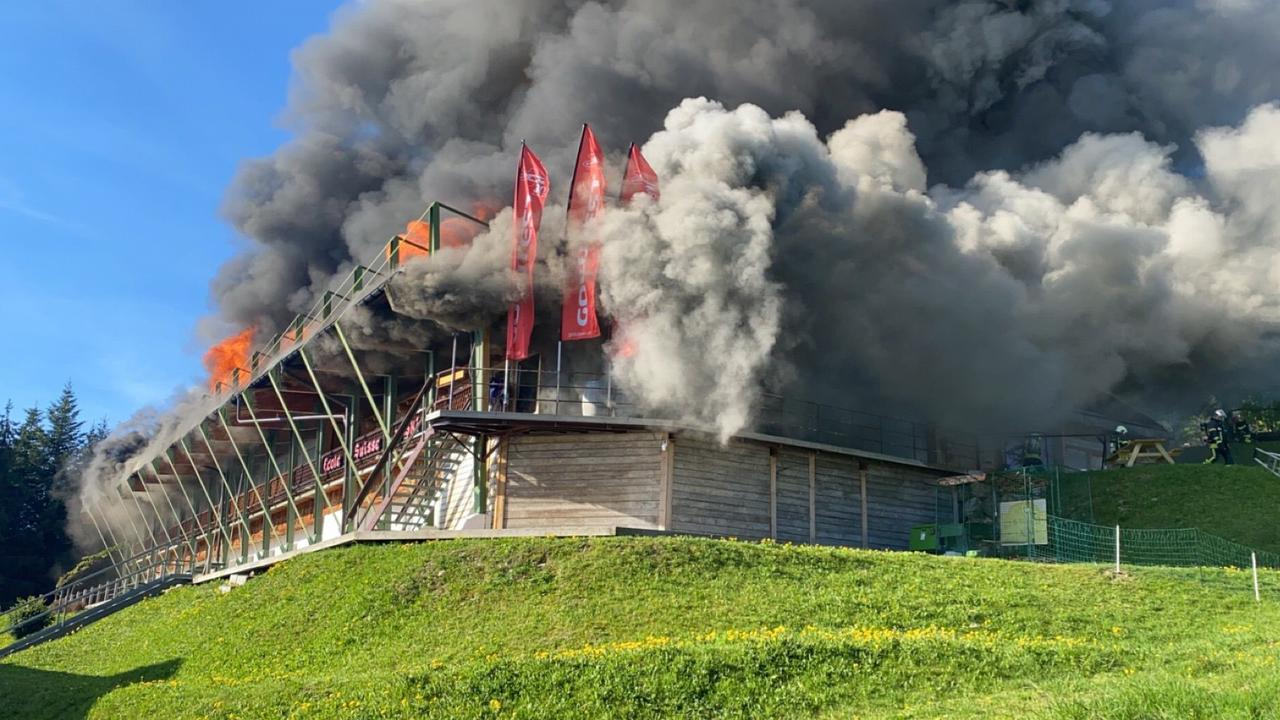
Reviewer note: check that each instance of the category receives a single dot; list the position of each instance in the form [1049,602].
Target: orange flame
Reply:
[485,209]
[459,232]
[225,356]
[456,232]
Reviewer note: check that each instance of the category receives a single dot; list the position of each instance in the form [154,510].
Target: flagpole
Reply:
[568,206]
[568,209]
[622,186]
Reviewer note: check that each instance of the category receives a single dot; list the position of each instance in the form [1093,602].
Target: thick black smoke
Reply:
[977,210]
[404,102]
[806,250]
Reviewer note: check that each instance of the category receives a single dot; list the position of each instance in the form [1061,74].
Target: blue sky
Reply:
[121,125]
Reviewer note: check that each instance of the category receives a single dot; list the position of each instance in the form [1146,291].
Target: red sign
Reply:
[532,188]
[638,177]
[578,319]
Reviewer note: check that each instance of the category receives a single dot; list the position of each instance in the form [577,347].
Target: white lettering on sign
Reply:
[581,316]
[365,448]
[331,462]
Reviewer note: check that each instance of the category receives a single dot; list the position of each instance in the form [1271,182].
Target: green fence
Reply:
[1072,541]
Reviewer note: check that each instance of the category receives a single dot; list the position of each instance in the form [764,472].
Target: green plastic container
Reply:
[924,538]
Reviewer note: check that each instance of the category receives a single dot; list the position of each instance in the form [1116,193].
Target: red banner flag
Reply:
[578,319]
[532,187]
[638,177]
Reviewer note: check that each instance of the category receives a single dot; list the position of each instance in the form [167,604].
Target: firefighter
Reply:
[1215,436]
[1121,439]
[1240,430]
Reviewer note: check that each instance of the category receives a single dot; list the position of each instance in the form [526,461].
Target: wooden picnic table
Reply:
[1142,449]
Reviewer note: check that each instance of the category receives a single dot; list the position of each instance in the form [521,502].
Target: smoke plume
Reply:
[979,210]
[1070,245]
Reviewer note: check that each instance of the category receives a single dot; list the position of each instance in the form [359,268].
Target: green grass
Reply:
[664,627]
[1231,501]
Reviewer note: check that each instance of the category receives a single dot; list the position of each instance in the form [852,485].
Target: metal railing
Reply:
[65,602]
[360,282]
[579,394]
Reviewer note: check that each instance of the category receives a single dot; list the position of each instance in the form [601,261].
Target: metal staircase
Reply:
[425,467]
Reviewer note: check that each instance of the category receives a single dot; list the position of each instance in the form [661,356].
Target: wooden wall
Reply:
[750,489]
[720,489]
[897,499]
[583,480]
[838,503]
[746,489]
[793,495]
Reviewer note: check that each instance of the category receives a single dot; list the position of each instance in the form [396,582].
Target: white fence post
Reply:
[1253,557]
[1117,549]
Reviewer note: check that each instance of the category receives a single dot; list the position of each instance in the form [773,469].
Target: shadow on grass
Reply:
[30,693]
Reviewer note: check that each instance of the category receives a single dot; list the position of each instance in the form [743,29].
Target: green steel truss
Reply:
[229,468]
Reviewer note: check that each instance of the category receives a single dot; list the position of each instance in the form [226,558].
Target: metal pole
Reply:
[506,376]
[154,511]
[195,514]
[143,516]
[453,364]
[1253,558]
[106,546]
[176,518]
[340,433]
[266,511]
[214,511]
[373,405]
[1117,549]
[559,346]
[226,485]
[306,455]
[142,541]
[122,548]
[284,482]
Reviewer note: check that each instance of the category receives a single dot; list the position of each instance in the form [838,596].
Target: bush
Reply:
[88,564]
[30,615]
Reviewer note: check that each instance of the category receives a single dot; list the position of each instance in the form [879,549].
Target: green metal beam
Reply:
[266,511]
[306,455]
[226,486]
[142,541]
[143,516]
[176,517]
[214,510]
[108,546]
[285,482]
[373,405]
[338,432]
[195,514]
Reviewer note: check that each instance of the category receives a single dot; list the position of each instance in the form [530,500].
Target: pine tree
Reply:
[22,557]
[8,489]
[33,517]
[63,439]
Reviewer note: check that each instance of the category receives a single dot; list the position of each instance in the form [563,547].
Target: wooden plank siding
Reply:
[897,499]
[584,480]
[700,486]
[720,489]
[793,495]
[838,507]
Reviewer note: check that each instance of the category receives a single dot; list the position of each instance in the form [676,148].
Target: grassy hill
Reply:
[1237,502]
[663,627]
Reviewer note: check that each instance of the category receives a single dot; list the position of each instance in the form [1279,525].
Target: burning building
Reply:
[336,428]
[983,215]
